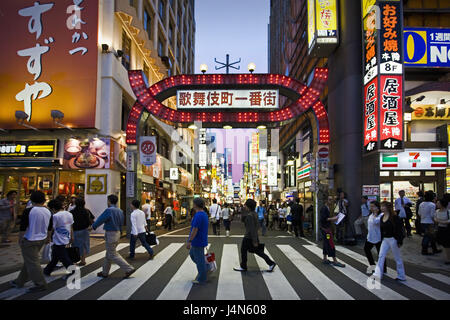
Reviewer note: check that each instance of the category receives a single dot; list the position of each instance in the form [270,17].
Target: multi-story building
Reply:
[425,88]
[92,47]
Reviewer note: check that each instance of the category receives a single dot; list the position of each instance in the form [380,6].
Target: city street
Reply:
[299,274]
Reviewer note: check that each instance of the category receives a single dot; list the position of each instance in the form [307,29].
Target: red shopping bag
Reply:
[210,257]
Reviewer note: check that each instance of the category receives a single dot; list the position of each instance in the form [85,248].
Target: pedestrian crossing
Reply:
[299,268]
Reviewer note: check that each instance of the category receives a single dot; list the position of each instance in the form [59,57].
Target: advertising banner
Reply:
[272,171]
[94,153]
[28,149]
[412,159]
[147,150]
[50,53]
[427,47]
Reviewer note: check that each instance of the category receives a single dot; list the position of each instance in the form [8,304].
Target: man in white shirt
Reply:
[401,205]
[138,228]
[34,230]
[148,211]
[62,236]
[215,212]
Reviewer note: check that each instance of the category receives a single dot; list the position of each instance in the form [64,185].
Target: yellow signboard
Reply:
[214,173]
[431,112]
[366,6]
[311,22]
[326,17]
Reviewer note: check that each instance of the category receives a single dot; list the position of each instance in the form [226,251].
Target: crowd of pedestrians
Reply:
[382,225]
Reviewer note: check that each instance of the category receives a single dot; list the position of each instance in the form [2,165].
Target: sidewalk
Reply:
[411,253]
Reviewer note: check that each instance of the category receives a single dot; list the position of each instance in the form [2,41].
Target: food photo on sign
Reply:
[91,153]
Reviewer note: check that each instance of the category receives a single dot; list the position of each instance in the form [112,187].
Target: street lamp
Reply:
[203,68]
[251,67]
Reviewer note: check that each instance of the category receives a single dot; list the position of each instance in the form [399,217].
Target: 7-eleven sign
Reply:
[414,160]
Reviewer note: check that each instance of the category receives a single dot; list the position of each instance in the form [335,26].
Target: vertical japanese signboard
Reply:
[272,170]
[50,56]
[322,27]
[391,75]
[383,75]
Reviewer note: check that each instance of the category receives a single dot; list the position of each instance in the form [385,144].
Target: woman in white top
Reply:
[374,233]
[427,210]
[442,218]
[138,228]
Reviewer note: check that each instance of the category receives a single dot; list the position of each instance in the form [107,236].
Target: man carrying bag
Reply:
[215,213]
[251,243]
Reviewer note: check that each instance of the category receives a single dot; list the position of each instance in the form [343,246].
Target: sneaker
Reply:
[326,262]
[338,264]
[272,267]
[36,289]
[239,269]
[130,257]
[101,275]
[81,264]
[151,256]
[129,273]
[398,279]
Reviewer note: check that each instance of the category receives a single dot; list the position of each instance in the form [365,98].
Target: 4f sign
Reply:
[147,150]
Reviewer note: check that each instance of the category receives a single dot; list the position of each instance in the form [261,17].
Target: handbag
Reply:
[210,259]
[74,254]
[151,239]
[47,253]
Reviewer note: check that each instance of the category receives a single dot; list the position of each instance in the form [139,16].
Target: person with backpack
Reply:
[215,213]
[82,221]
[392,235]
[226,215]
[62,236]
[261,211]
[442,218]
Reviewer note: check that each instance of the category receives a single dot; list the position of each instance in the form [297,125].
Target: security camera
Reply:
[56,114]
[20,115]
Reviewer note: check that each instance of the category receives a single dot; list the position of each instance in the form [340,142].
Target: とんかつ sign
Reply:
[235,99]
[50,62]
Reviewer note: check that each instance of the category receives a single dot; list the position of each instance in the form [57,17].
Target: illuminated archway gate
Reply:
[303,97]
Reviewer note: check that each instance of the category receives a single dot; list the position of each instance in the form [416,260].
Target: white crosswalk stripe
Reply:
[125,288]
[230,286]
[382,292]
[438,277]
[180,285]
[410,282]
[278,285]
[16,292]
[88,280]
[324,284]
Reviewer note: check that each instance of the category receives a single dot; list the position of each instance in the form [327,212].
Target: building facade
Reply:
[84,152]
[426,90]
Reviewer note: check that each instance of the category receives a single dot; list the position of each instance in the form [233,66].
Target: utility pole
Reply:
[227,64]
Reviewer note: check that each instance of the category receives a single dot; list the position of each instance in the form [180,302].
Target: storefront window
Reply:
[385,191]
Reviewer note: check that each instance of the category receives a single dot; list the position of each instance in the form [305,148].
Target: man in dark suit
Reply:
[297,217]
